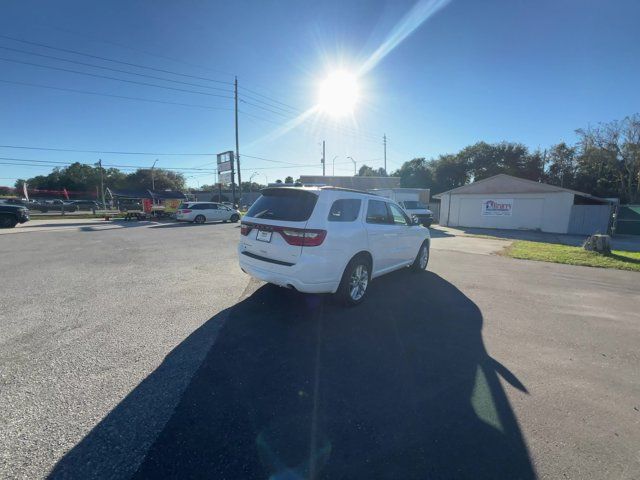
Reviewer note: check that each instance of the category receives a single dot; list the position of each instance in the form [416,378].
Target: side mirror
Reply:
[415,220]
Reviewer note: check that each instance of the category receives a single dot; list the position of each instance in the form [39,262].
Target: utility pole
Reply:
[384,141]
[323,162]
[104,205]
[235,99]
[153,180]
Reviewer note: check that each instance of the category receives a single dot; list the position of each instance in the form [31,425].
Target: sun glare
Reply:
[338,94]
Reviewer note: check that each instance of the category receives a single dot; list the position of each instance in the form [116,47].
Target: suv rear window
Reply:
[284,204]
[345,210]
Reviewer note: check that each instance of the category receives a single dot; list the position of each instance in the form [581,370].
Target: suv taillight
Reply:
[303,237]
[186,210]
[245,229]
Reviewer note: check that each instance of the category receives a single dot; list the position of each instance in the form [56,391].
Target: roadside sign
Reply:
[225,162]
[498,207]
[225,177]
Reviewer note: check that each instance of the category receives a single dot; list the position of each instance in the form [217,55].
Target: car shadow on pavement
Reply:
[297,387]
[435,232]
[186,224]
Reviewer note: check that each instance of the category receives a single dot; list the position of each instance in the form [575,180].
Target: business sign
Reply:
[500,207]
[225,162]
[224,177]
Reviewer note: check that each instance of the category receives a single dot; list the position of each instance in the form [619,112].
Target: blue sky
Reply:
[526,71]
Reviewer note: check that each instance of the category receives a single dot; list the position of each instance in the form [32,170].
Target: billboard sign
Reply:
[498,207]
[224,177]
[225,162]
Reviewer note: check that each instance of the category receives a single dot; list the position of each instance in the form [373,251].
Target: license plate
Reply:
[264,236]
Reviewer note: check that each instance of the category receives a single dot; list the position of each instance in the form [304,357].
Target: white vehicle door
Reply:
[381,234]
[224,212]
[213,212]
[405,247]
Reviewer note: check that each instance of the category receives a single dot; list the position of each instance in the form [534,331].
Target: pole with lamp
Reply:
[333,166]
[354,165]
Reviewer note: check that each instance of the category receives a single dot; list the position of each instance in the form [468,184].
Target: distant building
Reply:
[355,182]
[507,202]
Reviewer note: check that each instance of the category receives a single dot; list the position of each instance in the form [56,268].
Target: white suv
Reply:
[328,240]
[201,212]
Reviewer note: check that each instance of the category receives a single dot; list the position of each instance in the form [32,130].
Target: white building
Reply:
[508,202]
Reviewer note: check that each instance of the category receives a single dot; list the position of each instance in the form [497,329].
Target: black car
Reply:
[11,215]
[29,204]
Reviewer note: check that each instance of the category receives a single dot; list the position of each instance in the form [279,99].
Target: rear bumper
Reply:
[284,276]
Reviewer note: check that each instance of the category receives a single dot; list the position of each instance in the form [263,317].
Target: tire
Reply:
[235,217]
[355,281]
[200,219]
[422,259]
[8,221]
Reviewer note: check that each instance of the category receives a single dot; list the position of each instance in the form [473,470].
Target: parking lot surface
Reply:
[143,351]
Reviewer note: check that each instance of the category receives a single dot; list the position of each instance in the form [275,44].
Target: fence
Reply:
[589,219]
[628,220]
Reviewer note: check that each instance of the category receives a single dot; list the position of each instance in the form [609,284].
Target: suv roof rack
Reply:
[342,189]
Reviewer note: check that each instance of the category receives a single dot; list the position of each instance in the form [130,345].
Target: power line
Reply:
[270,98]
[124,97]
[344,130]
[106,151]
[54,162]
[112,60]
[113,78]
[128,47]
[128,72]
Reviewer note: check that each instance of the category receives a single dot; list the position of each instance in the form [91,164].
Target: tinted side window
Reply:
[199,206]
[345,210]
[377,212]
[399,218]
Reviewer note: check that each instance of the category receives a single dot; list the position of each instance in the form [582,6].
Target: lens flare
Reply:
[420,13]
[338,94]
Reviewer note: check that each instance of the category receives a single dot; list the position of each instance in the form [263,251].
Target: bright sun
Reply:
[338,94]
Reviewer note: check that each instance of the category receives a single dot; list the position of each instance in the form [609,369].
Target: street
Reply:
[141,350]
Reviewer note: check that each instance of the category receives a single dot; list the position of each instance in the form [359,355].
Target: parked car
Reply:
[11,215]
[89,205]
[328,240]
[201,212]
[60,205]
[29,204]
[418,210]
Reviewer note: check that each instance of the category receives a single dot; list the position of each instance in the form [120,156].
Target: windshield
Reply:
[284,204]
[414,205]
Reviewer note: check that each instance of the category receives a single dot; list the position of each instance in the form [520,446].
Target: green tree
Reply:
[366,171]
[289,179]
[163,179]
[614,150]
[449,171]
[415,174]
[562,165]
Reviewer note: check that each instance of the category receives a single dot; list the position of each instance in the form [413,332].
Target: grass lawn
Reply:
[552,252]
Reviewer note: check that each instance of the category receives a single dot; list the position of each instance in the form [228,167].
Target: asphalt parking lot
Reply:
[141,350]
